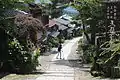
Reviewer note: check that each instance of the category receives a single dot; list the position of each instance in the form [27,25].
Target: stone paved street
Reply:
[61,69]
[68,68]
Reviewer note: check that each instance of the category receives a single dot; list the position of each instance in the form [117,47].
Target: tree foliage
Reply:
[112,48]
[54,9]
[18,52]
[10,4]
[91,13]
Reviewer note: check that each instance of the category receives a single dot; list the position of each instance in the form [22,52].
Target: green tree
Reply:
[91,13]
[16,53]
[54,9]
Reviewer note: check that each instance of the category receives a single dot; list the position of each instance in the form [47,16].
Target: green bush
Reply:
[90,55]
[109,58]
[20,59]
[62,40]
[87,50]
[106,62]
[53,42]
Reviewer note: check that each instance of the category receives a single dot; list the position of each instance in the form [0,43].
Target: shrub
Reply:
[87,50]
[53,42]
[20,59]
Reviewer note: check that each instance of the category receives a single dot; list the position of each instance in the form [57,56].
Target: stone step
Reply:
[54,78]
[59,75]
[66,72]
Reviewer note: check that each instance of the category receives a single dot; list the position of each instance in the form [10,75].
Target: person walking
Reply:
[59,50]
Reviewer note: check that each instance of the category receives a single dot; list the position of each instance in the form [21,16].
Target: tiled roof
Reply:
[62,21]
[52,23]
[61,27]
[54,34]
[11,13]
[70,30]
